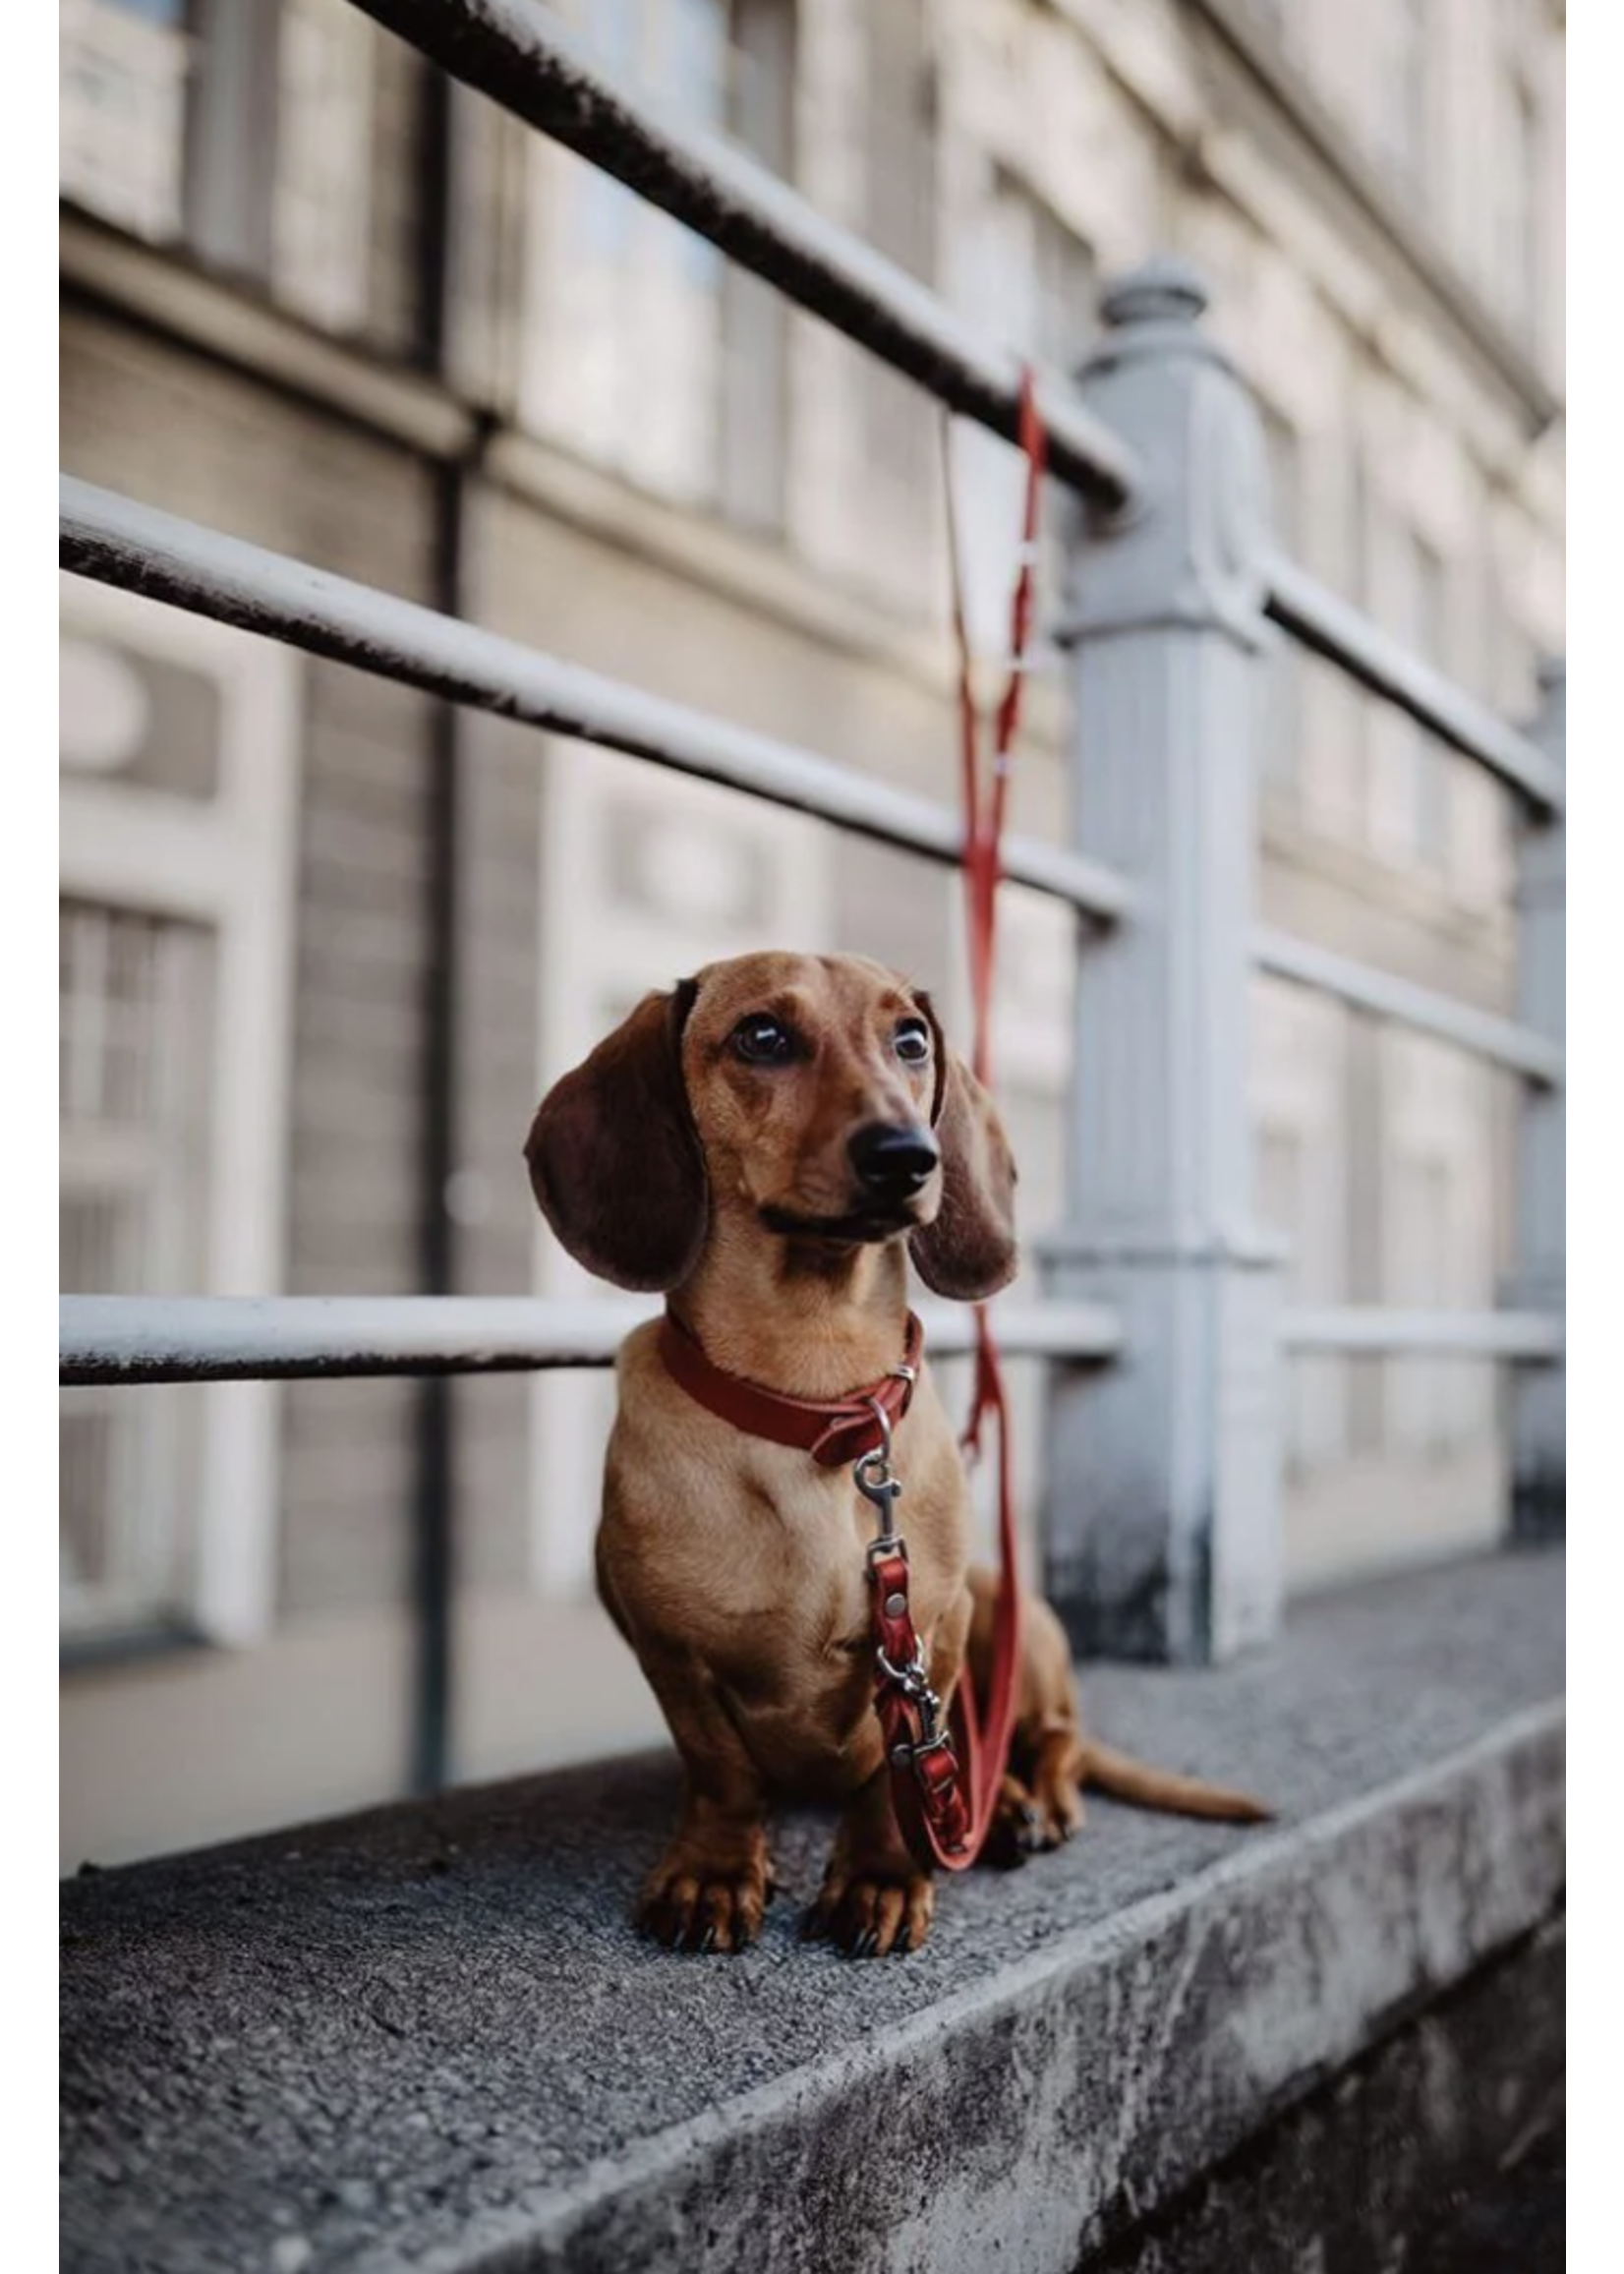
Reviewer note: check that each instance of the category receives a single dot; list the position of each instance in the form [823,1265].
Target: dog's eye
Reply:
[913,1044]
[762,1041]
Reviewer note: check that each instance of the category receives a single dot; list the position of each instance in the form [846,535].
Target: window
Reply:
[1409,776]
[240,128]
[1434,764]
[1298,1079]
[125,65]
[321,221]
[1326,719]
[1516,264]
[1498,671]
[639,348]
[899,428]
[1438,1235]
[136,1008]
[1405,112]
[1358,540]
[755,337]
[177,805]
[1422,1208]
[1283,699]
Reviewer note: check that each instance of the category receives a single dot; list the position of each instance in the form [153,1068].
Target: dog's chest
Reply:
[796,1615]
[795,1585]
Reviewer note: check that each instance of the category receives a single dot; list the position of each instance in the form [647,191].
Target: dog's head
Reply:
[808,1098]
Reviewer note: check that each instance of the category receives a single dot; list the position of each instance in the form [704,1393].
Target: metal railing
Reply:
[1162,1521]
[118,541]
[136,1338]
[1334,629]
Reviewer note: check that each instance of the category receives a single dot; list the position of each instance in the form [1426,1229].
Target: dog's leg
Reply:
[1041,1803]
[1057,1769]
[711,1888]
[873,1898]
[1038,1802]
[1037,1809]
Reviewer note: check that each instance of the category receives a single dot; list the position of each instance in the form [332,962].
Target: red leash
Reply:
[945,1774]
[945,1783]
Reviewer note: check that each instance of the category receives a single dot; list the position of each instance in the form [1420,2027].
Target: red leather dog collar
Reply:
[832,1430]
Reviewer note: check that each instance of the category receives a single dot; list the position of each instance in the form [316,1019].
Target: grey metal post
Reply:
[1538,1281]
[1162,1536]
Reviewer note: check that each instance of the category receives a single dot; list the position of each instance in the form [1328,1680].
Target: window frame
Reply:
[231,866]
[237,209]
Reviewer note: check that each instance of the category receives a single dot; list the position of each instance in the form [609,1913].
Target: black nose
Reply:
[893,1162]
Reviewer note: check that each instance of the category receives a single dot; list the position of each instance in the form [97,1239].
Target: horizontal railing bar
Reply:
[521,56]
[137,1338]
[131,1338]
[119,542]
[1360,1328]
[1521,1048]
[1332,627]
[127,1339]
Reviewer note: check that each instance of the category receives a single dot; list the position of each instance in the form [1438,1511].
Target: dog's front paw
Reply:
[870,1913]
[691,1906]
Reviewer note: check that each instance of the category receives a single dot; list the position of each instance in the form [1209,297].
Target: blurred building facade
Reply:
[313,299]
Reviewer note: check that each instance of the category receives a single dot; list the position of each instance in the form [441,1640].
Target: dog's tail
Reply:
[1126,1778]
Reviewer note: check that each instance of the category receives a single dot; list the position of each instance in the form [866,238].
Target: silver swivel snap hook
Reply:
[877,1482]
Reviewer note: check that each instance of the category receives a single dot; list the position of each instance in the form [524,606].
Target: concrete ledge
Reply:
[426,2036]
[1439,2152]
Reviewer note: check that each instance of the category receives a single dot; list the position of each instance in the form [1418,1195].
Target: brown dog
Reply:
[768,1144]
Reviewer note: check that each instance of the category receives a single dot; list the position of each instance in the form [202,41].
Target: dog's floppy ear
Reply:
[969,1251]
[614,1160]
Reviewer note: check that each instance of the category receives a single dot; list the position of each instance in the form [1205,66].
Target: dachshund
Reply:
[769,1146]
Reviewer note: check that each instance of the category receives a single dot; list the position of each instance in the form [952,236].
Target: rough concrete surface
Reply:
[428,2037]
[1514,2223]
[1438,2153]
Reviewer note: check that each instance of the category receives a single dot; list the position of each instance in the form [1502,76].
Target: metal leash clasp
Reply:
[880,1486]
